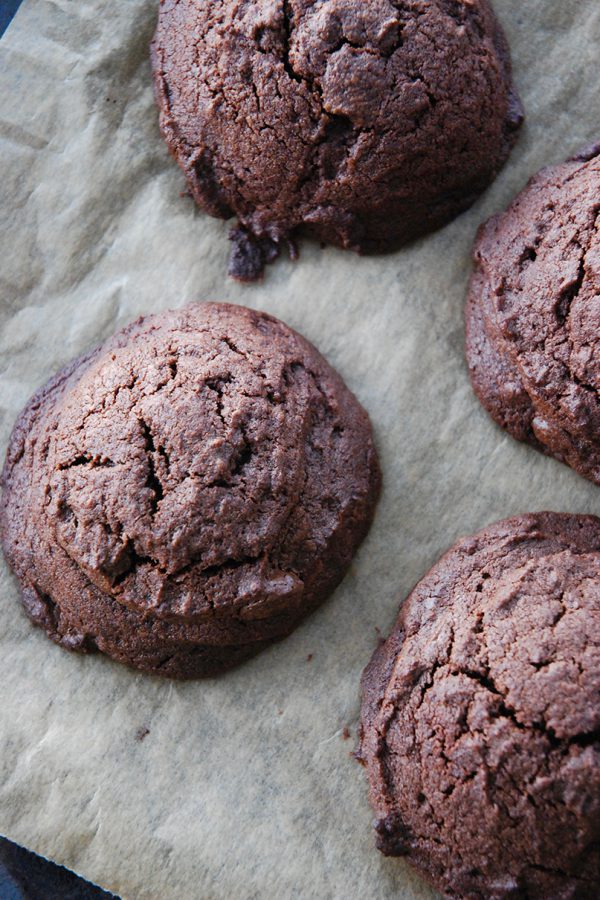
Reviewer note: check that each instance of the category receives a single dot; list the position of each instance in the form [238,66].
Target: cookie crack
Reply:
[506,710]
[567,296]
[549,870]
[228,565]
[165,661]
[571,294]
[95,460]
[329,122]
[288,27]
[245,454]
[50,608]
[152,479]
[216,385]
[137,560]
[377,52]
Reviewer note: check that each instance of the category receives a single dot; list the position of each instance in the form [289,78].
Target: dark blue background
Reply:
[7,10]
[25,876]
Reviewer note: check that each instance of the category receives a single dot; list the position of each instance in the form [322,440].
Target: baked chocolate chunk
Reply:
[480,725]
[533,314]
[363,123]
[188,492]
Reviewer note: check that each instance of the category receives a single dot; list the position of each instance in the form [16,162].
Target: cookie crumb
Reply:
[250,254]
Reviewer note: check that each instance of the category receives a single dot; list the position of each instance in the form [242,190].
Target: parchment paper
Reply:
[243,786]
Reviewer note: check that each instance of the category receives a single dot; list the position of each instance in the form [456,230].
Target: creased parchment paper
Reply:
[243,786]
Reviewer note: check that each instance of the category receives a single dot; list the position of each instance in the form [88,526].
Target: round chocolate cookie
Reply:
[364,123]
[533,314]
[480,725]
[188,492]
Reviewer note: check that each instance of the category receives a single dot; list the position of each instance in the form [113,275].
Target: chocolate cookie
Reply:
[188,492]
[364,124]
[480,723]
[533,314]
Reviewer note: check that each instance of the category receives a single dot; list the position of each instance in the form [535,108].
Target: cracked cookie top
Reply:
[481,715]
[203,462]
[533,314]
[362,122]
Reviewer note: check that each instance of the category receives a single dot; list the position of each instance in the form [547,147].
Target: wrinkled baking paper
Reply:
[243,786]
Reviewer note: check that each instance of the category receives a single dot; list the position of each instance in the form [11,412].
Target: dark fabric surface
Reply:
[26,876]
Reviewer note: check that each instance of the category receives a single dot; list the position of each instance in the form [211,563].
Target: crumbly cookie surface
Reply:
[203,480]
[533,314]
[364,123]
[481,715]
